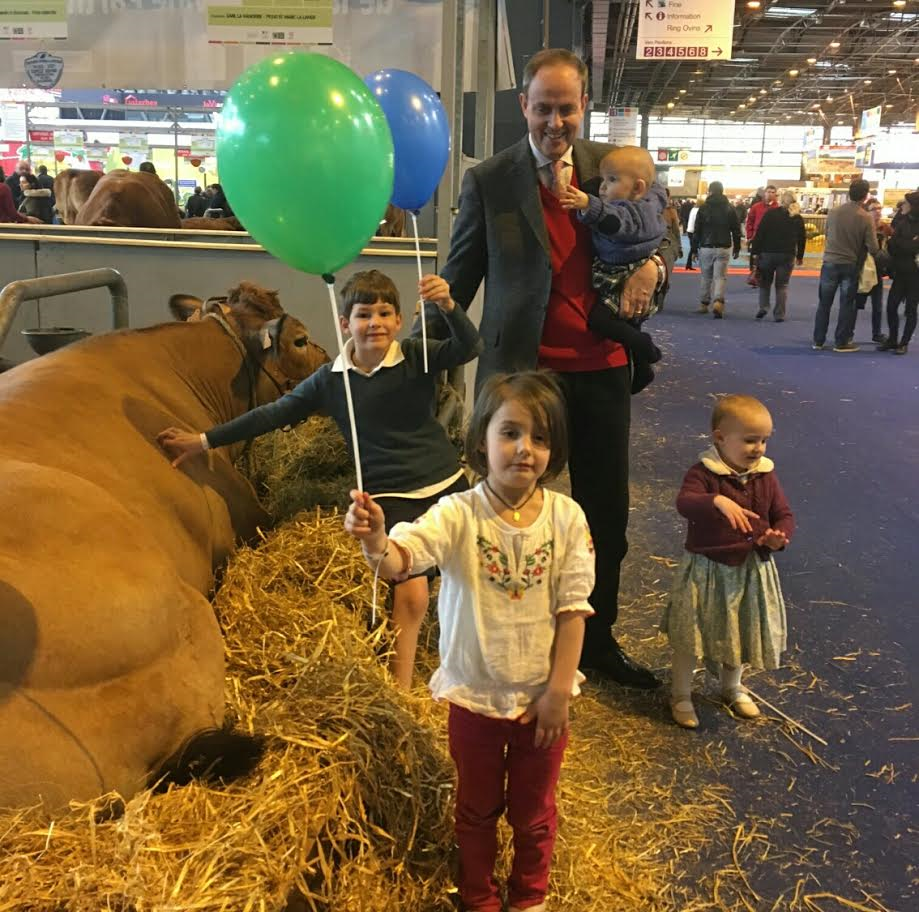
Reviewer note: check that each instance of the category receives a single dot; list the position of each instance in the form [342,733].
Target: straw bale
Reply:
[305,467]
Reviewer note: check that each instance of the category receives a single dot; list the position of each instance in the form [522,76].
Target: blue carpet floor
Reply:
[846,447]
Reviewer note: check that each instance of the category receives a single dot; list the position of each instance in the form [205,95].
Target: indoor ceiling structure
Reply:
[793,61]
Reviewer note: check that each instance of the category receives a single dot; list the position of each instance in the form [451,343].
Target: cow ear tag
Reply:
[266,338]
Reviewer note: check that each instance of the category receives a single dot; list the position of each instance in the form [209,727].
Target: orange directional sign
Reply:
[698,29]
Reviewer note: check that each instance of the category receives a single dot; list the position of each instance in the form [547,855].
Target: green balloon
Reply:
[305,158]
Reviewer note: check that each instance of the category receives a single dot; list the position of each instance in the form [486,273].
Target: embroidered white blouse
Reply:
[501,590]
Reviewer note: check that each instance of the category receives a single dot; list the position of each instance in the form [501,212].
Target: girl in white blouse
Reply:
[518,566]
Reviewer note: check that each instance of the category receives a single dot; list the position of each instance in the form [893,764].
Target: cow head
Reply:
[278,343]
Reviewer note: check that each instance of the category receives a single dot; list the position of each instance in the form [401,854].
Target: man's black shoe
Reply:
[614,664]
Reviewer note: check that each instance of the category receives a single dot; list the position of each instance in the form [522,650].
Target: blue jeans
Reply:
[843,276]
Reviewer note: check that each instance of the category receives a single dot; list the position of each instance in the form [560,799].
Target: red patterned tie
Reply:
[558,180]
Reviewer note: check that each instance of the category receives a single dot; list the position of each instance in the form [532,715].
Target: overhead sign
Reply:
[258,22]
[26,20]
[870,122]
[13,122]
[44,70]
[685,29]
[623,126]
[673,155]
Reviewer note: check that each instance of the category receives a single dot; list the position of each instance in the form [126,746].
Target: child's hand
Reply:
[736,515]
[572,198]
[773,539]
[365,521]
[550,711]
[434,288]
[179,444]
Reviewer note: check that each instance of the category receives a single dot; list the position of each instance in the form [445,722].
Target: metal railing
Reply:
[12,296]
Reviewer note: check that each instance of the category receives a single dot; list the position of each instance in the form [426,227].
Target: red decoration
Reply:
[194,162]
[126,159]
[60,155]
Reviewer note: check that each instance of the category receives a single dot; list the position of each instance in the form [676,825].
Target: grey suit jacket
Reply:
[500,236]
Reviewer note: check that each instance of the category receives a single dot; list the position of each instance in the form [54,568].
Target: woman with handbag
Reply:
[777,245]
[875,291]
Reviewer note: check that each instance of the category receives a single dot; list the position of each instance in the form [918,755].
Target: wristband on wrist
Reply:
[376,558]
[661,272]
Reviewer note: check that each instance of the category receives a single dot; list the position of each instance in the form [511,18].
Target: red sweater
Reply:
[567,344]
[755,216]
[710,534]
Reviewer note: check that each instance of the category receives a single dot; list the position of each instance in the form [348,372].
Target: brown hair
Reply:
[736,406]
[539,393]
[368,287]
[553,57]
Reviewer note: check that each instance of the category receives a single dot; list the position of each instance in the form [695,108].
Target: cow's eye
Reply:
[302,342]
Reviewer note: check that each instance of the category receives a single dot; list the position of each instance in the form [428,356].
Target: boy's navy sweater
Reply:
[403,447]
[626,230]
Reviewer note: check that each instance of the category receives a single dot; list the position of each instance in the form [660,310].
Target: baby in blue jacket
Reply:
[627,223]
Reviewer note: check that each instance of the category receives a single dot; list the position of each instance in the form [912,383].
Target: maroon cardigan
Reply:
[710,534]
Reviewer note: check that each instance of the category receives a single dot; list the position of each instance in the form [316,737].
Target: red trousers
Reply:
[499,767]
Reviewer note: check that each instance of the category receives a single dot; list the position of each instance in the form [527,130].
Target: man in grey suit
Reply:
[536,260]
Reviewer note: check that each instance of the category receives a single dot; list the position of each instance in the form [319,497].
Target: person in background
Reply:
[726,600]
[672,216]
[147,166]
[691,229]
[903,248]
[883,232]
[219,202]
[850,232]
[12,181]
[755,215]
[517,567]
[196,204]
[45,180]
[715,239]
[740,207]
[8,212]
[778,245]
[36,201]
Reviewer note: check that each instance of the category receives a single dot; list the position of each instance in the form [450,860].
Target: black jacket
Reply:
[196,205]
[13,183]
[716,225]
[903,246]
[38,203]
[780,232]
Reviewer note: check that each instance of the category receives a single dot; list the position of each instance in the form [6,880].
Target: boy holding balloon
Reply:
[407,458]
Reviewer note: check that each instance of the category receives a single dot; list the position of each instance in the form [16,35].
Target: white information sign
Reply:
[13,126]
[685,29]
[623,126]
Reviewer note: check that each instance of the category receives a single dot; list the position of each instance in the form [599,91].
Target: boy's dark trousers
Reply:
[628,333]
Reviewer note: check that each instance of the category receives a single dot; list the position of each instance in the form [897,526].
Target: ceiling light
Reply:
[834,44]
[899,4]
[762,91]
[788,12]
[891,72]
[669,104]
[811,59]
[815,105]
[741,107]
[682,91]
[691,81]
[697,72]
[867,82]
[828,98]
[792,73]
[755,4]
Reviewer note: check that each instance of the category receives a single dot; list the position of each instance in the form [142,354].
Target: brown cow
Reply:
[130,199]
[72,188]
[110,654]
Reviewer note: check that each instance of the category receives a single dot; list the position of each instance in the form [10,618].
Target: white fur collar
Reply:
[712,461]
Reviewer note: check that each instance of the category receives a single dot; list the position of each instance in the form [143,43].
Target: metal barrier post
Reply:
[48,286]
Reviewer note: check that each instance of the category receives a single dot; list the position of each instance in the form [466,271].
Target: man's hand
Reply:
[773,539]
[550,711]
[572,198]
[638,291]
[736,515]
[32,220]
[434,288]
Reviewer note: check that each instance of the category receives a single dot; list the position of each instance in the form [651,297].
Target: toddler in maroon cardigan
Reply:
[726,602]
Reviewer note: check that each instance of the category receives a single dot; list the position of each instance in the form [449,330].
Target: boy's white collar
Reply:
[392,357]
[712,461]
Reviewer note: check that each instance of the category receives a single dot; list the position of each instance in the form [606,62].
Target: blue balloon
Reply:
[420,133]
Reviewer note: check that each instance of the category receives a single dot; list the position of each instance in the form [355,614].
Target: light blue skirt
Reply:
[734,615]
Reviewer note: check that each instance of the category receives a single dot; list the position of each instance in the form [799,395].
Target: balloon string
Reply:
[424,327]
[345,374]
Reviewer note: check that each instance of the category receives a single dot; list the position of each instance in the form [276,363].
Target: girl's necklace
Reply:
[516,510]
